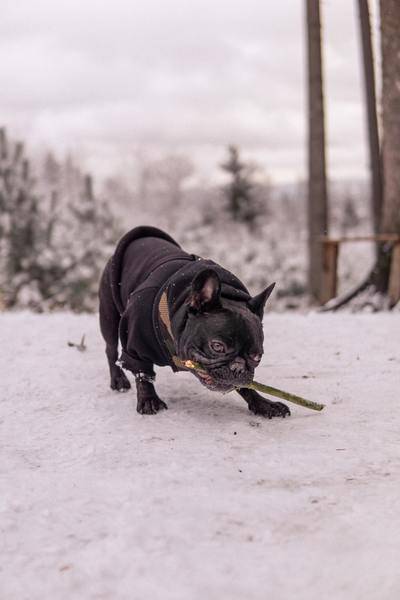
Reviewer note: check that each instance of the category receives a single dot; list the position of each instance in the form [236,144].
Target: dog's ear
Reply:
[206,291]
[257,303]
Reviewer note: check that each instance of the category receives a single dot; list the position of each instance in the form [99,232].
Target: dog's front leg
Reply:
[148,402]
[262,406]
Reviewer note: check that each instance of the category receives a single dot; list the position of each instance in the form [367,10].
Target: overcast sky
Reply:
[110,79]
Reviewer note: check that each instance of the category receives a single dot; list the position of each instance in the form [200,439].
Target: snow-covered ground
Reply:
[204,501]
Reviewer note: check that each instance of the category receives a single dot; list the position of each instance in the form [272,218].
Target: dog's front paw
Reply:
[150,405]
[267,408]
[119,381]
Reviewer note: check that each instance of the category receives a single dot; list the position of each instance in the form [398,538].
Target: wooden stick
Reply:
[267,389]
[260,387]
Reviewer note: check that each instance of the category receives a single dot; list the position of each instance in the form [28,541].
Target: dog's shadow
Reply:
[209,407]
[214,409]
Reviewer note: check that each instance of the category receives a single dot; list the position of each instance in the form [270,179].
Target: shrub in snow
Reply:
[55,236]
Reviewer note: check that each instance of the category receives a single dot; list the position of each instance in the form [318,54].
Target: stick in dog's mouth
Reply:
[266,389]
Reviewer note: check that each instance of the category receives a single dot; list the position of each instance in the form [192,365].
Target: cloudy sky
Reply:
[111,80]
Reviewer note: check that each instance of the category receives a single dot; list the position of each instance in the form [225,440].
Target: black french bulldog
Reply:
[162,303]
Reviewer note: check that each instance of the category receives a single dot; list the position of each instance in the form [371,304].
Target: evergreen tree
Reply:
[20,221]
[55,236]
[88,248]
[242,204]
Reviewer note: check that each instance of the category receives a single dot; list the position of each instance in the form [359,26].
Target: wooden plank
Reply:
[329,271]
[382,237]
[394,278]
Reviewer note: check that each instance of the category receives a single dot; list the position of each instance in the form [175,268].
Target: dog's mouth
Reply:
[206,377]
[213,384]
[219,376]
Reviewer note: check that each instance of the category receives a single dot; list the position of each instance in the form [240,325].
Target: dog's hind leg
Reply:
[109,323]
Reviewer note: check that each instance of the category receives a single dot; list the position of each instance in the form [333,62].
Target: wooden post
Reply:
[394,277]
[390,102]
[329,270]
[317,208]
[371,113]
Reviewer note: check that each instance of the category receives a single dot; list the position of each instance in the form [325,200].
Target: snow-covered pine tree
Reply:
[20,222]
[55,236]
[4,215]
[242,203]
[94,231]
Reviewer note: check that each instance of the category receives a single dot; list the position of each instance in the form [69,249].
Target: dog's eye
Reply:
[217,347]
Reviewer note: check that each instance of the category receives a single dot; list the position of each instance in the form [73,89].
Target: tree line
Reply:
[56,233]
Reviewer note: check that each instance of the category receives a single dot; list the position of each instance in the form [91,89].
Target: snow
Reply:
[205,500]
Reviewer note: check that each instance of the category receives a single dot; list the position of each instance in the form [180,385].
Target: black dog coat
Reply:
[146,264]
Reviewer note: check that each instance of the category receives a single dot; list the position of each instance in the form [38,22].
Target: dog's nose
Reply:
[238,366]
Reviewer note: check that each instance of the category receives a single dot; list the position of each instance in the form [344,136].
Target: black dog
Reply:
[162,303]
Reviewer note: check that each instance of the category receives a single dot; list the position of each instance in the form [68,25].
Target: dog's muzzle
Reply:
[226,377]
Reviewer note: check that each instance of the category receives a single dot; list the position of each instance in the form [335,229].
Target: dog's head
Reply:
[224,336]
